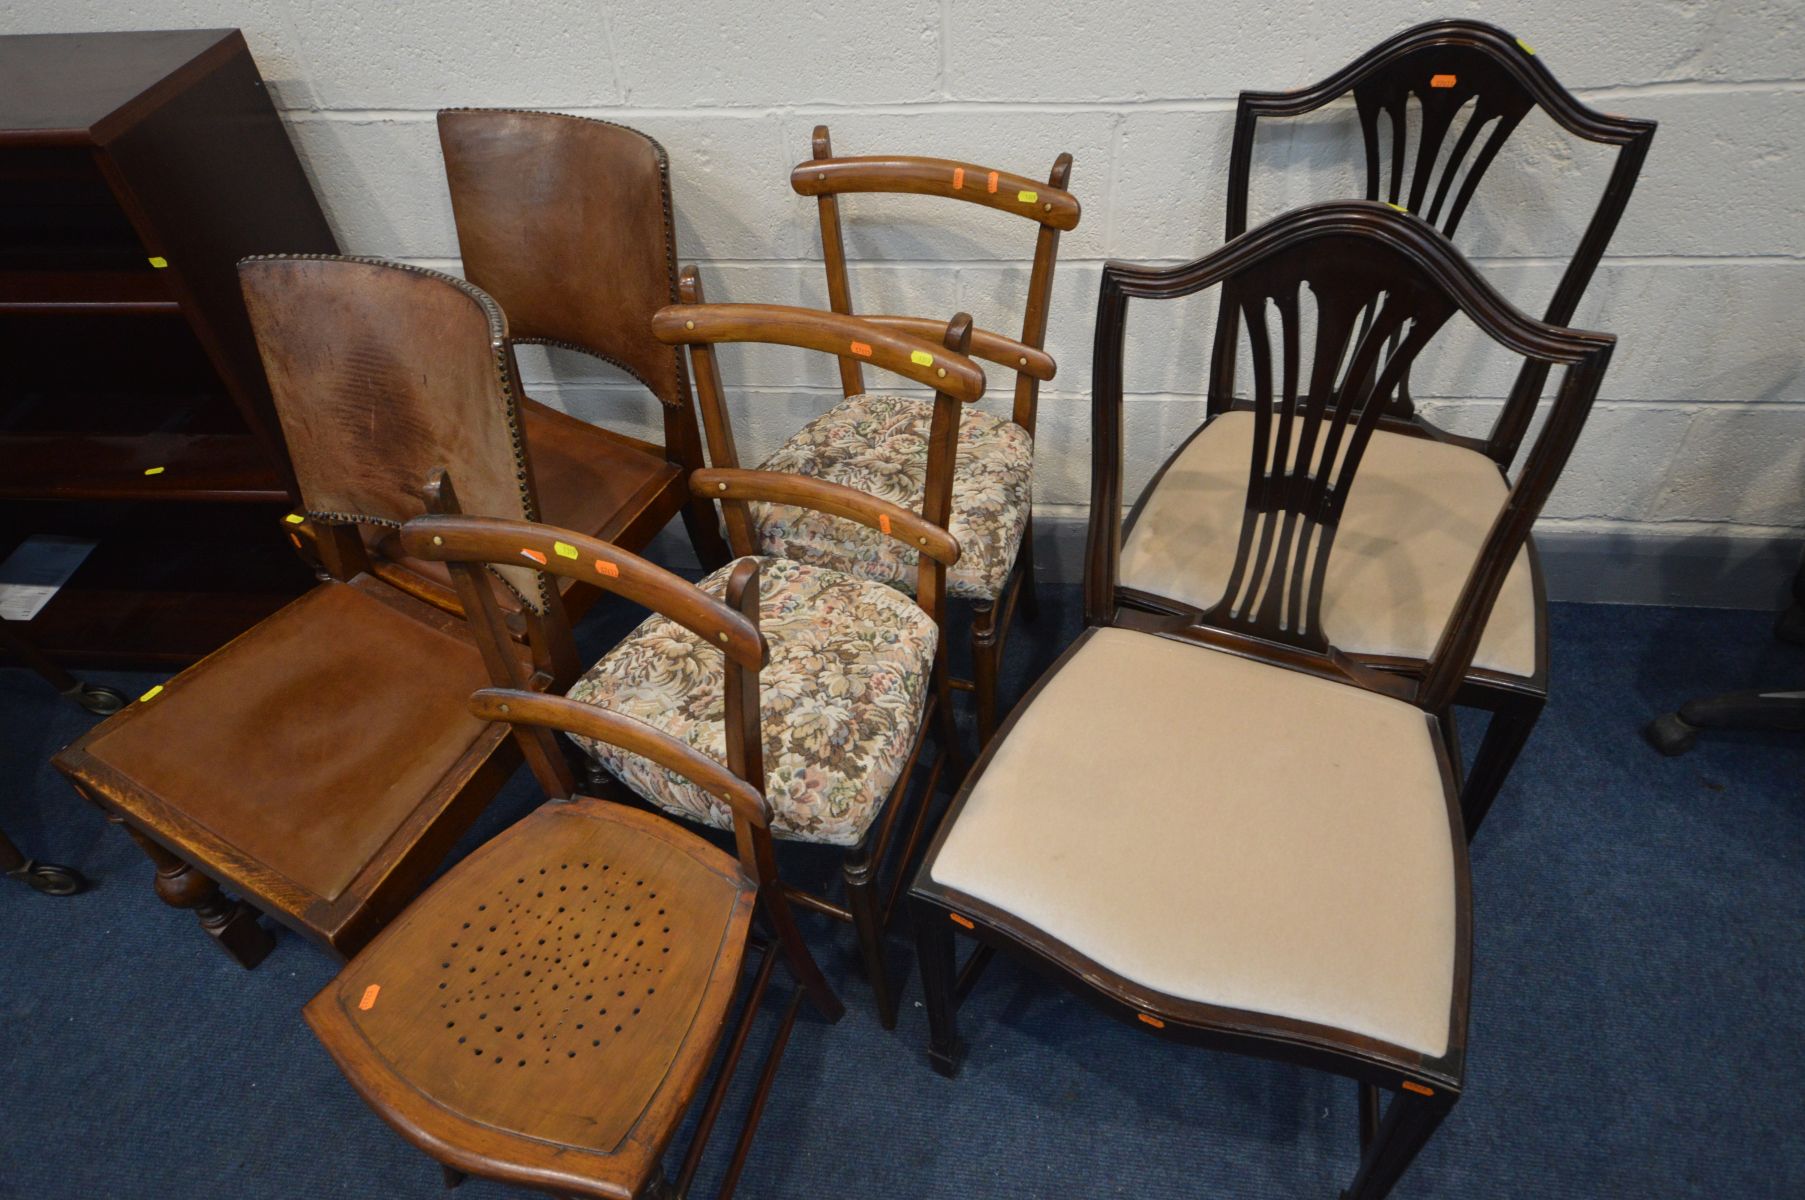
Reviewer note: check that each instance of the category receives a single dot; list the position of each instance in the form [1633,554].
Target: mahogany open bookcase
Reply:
[135,170]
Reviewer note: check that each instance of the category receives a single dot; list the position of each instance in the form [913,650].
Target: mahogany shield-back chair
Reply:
[1464,87]
[546,1012]
[877,443]
[566,222]
[1220,827]
[324,763]
[855,674]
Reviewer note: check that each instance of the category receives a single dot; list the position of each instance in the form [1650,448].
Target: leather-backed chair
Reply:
[566,222]
[1221,827]
[322,764]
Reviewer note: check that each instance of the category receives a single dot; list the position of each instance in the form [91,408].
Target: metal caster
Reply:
[1669,734]
[50,879]
[101,701]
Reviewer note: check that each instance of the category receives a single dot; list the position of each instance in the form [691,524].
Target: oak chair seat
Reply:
[845,692]
[277,762]
[879,445]
[1415,521]
[545,1012]
[1286,851]
[588,478]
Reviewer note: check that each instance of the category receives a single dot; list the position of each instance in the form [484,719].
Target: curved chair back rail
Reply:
[515,707]
[1003,191]
[947,368]
[1382,285]
[382,373]
[479,540]
[899,351]
[1048,204]
[1450,68]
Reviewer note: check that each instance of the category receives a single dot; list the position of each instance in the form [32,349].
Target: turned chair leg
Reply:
[1505,736]
[860,874]
[704,527]
[984,670]
[1409,1121]
[231,923]
[934,945]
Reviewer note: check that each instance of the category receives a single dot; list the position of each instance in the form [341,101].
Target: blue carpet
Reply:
[1638,1023]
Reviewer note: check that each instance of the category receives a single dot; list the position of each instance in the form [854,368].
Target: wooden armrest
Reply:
[835,499]
[633,736]
[1001,190]
[991,347]
[915,358]
[602,564]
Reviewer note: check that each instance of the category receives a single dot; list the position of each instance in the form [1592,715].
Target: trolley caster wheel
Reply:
[102,701]
[51,879]
[1670,735]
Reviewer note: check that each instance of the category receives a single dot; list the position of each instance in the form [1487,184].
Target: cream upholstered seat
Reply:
[1416,516]
[1225,832]
[840,700]
[879,445]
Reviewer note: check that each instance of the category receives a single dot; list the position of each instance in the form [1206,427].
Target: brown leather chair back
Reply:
[383,373]
[566,221]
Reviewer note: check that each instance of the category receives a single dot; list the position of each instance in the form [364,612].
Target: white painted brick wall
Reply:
[1702,423]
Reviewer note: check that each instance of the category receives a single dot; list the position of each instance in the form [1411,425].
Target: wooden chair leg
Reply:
[984,670]
[452,1176]
[231,923]
[1409,1121]
[1029,599]
[704,527]
[1505,736]
[934,945]
[866,906]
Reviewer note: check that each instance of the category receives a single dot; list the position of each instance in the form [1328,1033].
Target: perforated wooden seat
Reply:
[546,1010]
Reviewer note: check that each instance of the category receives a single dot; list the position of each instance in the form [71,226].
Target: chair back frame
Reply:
[567,221]
[1049,205]
[380,373]
[1383,284]
[525,701]
[1448,65]
[947,368]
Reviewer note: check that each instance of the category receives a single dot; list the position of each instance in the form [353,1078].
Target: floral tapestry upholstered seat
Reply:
[879,445]
[841,700]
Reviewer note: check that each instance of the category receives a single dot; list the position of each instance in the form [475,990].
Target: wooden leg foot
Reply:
[984,671]
[233,924]
[1505,736]
[868,922]
[934,944]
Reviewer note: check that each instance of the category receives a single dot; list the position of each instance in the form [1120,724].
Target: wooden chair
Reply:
[324,763]
[1470,84]
[1222,828]
[566,222]
[856,671]
[545,1013]
[992,484]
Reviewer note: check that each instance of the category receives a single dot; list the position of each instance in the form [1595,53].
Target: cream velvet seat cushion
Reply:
[840,700]
[1227,832]
[879,446]
[1413,526]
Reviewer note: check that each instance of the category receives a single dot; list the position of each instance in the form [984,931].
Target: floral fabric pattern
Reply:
[840,700]
[879,445]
